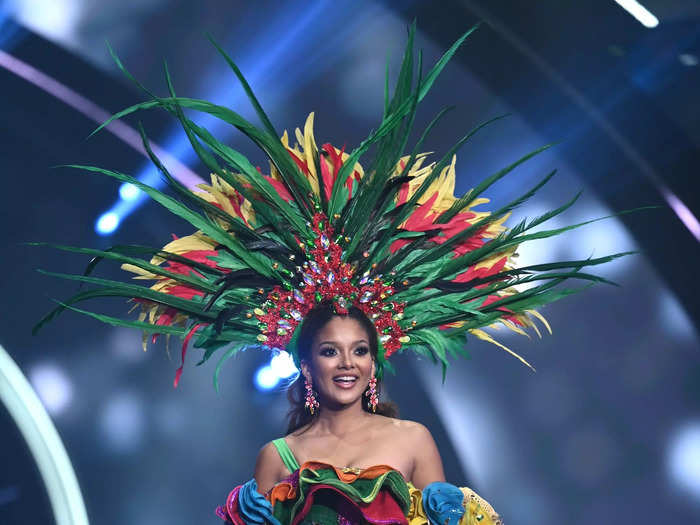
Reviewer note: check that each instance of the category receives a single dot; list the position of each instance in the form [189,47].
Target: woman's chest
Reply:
[357,455]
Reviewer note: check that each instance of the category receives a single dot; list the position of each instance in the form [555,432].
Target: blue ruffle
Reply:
[442,503]
[253,507]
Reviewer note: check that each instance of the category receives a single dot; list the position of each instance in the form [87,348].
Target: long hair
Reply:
[314,321]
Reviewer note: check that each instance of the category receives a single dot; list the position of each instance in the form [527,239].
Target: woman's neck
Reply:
[342,420]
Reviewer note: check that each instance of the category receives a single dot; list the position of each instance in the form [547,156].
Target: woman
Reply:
[338,360]
[342,267]
[336,428]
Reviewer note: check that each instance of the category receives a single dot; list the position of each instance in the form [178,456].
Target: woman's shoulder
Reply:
[404,428]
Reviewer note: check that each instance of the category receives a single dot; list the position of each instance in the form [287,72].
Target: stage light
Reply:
[641,13]
[282,365]
[54,19]
[53,387]
[683,461]
[128,192]
[688,60]
[122,422]
[266,378]
[107,223]
[276,41]
[674,319]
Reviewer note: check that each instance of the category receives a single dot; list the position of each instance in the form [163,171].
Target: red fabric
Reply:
[229,512]
[382,510]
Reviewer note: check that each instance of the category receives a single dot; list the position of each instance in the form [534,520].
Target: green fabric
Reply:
[321,514]
[359,491]
[286,454]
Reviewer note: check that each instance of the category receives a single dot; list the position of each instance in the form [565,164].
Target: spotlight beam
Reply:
[638,11]
[97,114]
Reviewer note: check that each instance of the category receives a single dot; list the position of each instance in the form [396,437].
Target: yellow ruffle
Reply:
[477,510]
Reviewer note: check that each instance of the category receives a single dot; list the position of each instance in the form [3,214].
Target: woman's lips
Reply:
[345,381]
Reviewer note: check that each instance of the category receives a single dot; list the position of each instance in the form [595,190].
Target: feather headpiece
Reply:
[391,238]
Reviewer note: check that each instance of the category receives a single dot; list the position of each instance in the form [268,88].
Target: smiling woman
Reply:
[342,266]
[340,437]
[322,337]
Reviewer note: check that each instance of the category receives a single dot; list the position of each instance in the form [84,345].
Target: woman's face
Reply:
[341,362]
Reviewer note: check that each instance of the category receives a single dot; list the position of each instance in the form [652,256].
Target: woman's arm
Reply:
[269,468]
[427,466]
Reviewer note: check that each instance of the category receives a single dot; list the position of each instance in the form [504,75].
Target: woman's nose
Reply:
[346,360]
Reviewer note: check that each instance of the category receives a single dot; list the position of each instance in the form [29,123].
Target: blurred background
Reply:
[608,428]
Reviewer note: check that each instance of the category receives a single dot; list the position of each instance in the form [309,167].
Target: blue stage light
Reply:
[276,42]
[266,378]
[107,223]
[128,191]
[683,460]
[282,365]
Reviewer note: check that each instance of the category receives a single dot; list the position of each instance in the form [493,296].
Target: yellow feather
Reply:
[310,148]
[542,319]
[486,337]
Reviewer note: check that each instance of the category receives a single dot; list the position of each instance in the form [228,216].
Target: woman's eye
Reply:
[327,352]
[362,350]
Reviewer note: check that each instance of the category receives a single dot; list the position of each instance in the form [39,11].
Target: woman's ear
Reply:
[305,370]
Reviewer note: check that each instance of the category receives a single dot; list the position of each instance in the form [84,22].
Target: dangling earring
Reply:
[311,401]
[372,393]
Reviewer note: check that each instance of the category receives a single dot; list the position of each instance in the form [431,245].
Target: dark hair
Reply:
[314,321]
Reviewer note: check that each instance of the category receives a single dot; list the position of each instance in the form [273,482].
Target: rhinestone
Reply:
[296,314]
[298,297]
[366,296]
[324,241]
[314,267]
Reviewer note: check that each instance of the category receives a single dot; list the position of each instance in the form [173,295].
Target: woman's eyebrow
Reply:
[336,342]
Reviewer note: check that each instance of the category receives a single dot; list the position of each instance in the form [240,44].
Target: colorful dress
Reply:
[318,493]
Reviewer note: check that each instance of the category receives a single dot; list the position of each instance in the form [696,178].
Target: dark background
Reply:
[606,431]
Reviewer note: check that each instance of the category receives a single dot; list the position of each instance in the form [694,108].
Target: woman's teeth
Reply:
[345,380]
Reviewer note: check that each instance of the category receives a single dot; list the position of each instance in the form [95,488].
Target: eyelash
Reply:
[329,351]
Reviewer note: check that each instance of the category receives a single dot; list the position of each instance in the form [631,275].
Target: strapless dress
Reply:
[320,494]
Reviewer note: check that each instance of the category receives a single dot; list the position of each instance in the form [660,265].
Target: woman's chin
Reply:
[342,397]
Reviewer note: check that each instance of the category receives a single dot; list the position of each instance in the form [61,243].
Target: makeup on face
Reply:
[341,361]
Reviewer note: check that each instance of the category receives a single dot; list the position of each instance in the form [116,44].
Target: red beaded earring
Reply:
[372,393]
[311,401]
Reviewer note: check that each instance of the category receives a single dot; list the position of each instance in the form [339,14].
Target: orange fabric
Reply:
[348,477]
[281,492]
[285,490]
